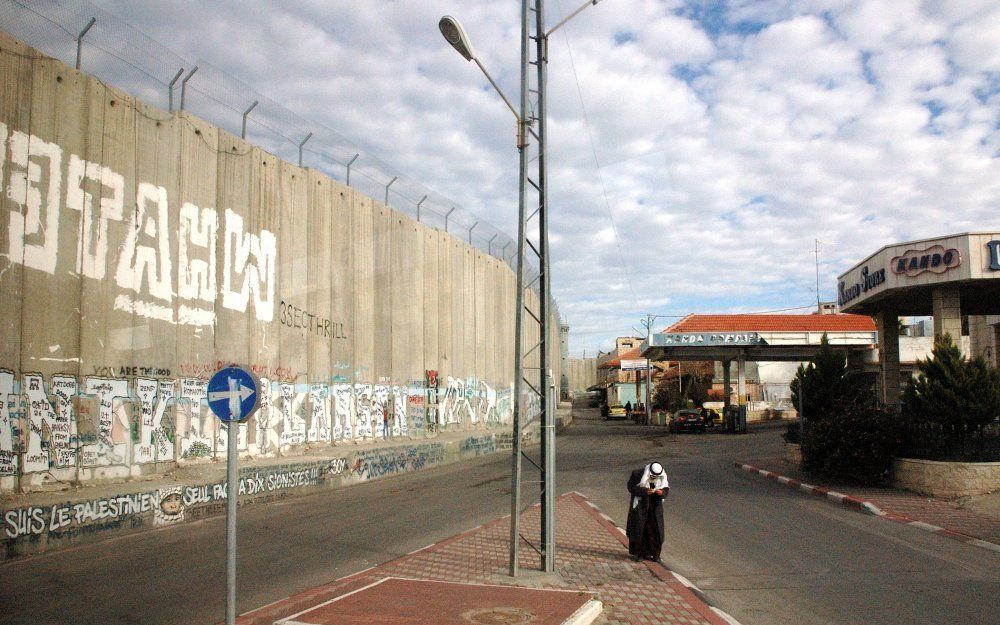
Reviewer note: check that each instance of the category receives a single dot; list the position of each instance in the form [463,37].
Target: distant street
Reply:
[763,553]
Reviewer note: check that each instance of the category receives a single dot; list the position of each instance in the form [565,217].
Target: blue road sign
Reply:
[233,394]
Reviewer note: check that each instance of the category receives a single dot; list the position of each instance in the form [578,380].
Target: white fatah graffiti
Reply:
[92,259]
[145,269]
[257,277]
[33,231]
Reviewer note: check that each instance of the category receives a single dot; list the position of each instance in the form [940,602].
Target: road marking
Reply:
[724,616]
[870,507]
[984,544]
[925,526]
[682,579]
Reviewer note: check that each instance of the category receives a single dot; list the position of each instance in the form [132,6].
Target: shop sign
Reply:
[698,339]
[935,259]
[994,249]
[634,365]
[869,280]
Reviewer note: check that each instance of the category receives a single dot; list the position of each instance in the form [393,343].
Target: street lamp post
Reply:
[649,367]
[456,36]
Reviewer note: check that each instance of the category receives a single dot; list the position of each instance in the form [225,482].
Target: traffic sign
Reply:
[233,394]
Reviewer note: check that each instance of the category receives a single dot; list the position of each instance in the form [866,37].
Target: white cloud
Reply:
[726,139]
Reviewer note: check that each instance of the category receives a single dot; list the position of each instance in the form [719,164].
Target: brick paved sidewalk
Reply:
[591,556]
[899,505]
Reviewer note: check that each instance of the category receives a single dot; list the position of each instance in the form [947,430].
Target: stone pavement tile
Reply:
[591,556]
[911,506]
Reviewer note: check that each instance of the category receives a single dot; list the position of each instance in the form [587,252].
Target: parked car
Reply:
[687,420]
[714,419]
[617,411]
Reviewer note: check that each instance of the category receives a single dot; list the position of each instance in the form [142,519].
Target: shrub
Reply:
[846,435]
[855,444]
[952,399]
[793,433]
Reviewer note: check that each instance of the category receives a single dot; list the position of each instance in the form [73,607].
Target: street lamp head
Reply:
[455,35]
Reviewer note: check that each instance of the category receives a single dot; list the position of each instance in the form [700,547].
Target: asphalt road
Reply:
[760,551]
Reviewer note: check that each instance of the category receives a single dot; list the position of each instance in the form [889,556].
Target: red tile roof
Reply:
[615,363]
[774,323]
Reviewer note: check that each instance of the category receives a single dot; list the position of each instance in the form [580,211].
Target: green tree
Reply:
[845,435]
[825,385]
[958,394]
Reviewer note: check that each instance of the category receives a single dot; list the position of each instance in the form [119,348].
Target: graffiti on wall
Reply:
[9,431]
[319,425]
[164,506]
[293,422]
[375,463]
[478,445]
[433,414]
[40,175]
[100,421]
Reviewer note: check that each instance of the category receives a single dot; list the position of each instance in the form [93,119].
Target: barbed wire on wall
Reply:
[103,45]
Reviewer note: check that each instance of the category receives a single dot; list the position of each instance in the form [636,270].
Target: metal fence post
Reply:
[184,85]
[301,145]
[446,218]
[418,206]
[170,90]
[246,114]
[394,179]
[349,163]
[489,244]
[79,40]
[470,231]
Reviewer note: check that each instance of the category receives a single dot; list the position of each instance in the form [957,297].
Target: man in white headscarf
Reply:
[648,486]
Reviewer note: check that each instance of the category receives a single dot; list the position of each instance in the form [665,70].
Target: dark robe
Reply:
[645,519]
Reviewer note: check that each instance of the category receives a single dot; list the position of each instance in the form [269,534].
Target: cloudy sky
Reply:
[697,149]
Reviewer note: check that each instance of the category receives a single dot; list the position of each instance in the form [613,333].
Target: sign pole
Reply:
[232,494]
[233,395]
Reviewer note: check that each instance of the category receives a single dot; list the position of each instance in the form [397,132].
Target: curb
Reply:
[863,505]
[698,600]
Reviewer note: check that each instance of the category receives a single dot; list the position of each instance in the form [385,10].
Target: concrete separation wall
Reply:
[140,251]
[43,522]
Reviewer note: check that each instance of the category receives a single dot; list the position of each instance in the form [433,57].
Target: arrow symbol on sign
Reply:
[243,393]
